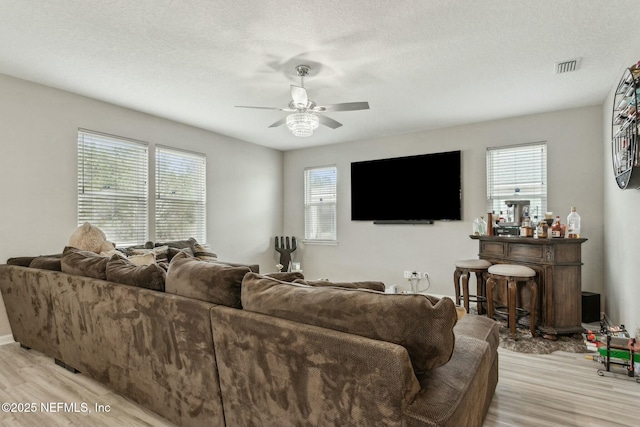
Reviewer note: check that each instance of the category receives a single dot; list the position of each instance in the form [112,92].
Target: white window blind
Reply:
[517,172]
[180,195]
[112,186]
[320,185]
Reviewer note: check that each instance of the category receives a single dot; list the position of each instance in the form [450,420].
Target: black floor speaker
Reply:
[590,307]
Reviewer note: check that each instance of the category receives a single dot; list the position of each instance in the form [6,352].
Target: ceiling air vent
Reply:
[567,66]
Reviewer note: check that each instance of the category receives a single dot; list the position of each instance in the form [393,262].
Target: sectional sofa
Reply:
[221,345]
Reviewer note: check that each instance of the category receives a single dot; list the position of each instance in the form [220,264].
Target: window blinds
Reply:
[320,203]
[517,172]
[180,195]
[112,186]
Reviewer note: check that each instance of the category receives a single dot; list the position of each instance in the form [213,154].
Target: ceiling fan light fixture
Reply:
[302,124]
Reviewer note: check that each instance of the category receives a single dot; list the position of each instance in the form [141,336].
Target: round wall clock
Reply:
[624,130]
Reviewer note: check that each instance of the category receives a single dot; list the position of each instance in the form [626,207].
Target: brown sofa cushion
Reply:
[286,276]
[215,283]
[151,276]
[178,244]
[204,252]
[47,263]
[84,263]
[421,324]
[376,286]
[175,246]
[171,252]
[255,268]
[21,261]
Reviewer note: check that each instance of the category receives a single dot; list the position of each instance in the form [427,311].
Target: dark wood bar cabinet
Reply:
[558,265]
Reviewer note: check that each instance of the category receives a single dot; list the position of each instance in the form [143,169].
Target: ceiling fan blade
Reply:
[299,96]
[345,106]
[264,108]
[329,122]
[278,123]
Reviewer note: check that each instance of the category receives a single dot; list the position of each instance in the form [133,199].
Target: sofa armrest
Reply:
[276,372]
[458,393]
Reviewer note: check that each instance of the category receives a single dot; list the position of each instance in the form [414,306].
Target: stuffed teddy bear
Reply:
[88,237]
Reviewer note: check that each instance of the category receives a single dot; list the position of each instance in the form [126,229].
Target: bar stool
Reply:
[464,268]
[511,275]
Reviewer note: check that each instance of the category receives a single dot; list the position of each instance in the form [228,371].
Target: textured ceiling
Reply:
[419,64]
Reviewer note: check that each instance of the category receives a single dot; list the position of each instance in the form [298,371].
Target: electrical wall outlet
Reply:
[412,274]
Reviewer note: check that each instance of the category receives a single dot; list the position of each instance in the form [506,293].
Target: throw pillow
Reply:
[194,278]
[376,286]
[421,324]
[146,259]
[161,253]
[177,245]
[171,252]
[84,263]
[127,249]
[121,270]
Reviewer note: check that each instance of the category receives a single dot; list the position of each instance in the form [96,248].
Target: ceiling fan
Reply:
[305,116]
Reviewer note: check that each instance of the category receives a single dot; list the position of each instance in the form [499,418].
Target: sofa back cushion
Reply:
[123,271]
[375,286]
[207,281]
[204,252]
[84,263]
[422,324]
[286,276]
[21,261]
[47,263]
[177,246]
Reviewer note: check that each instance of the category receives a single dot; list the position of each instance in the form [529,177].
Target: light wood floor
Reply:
[559,389]
[27,376]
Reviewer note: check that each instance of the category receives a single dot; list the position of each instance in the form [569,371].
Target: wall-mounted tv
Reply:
[411,189]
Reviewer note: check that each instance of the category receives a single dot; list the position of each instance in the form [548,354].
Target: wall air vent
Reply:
[567,66]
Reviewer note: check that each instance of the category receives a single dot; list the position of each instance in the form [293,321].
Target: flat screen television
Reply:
[411,189]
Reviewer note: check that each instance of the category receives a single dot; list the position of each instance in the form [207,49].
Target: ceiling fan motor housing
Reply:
[303,70]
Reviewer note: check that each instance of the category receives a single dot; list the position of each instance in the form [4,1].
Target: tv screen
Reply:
[407,189]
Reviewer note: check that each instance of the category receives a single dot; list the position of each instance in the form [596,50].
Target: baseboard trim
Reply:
[6,339]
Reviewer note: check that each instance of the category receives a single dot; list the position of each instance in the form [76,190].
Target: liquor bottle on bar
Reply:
[573,224]
[542,229]
[556,228]
[525,229]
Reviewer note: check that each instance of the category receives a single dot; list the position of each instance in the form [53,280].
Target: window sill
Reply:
[321,242]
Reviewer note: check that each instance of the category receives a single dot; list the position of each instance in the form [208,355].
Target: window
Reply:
[112,186]
[517,172]
[320,204]
[180,195]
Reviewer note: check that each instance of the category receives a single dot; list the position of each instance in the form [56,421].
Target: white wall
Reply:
[621,240]
[383,252]
[247,185]
[38,210]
